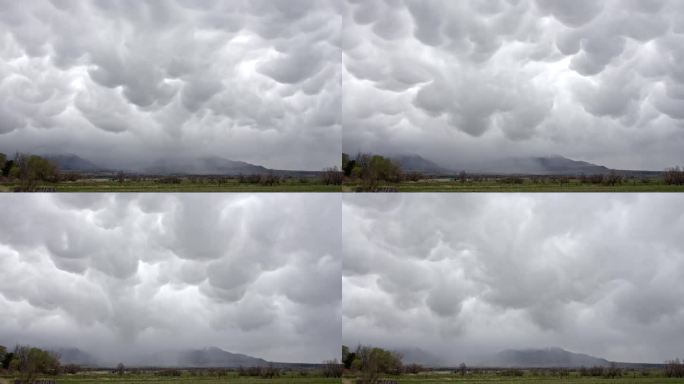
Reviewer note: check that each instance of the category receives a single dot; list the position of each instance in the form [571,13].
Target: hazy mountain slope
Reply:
[547,165]
[203,166]
[71,162]
[75,356]
[206,357]
[419,356]
[415,163]
[551,165]
[543,358]
[216,357]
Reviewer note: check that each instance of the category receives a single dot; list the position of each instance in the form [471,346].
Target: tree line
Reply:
[371,170]
[29,362]
[371,364]
[29,170]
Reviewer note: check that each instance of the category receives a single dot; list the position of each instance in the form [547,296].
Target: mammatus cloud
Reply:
[463,80]
[127,81]
[122,275]
[464,276]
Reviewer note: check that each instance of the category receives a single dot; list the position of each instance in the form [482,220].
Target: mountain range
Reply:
[512,358]
[542,358]
[73,163]
[211,165]
[188,358]
[75,356]
[544,165]
[208,165]
[204,358]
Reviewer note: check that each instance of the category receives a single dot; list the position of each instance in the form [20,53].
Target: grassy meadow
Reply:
[186,185]
[528,185]
[449,378]
[94,378]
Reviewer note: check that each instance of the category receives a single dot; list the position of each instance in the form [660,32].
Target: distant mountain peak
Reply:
[419,356]
[544,358]
[216,357]
[206,165]
[72,162]
[417,163]
[73,355]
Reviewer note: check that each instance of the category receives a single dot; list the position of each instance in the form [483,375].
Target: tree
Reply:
[7,360]
[347,165]
[674,176]
[674,368]
[120,369]
[332,368]
[372,169]
[373,362]
[31,361]
[332,176]
[3,160]
[462,369]
[463,177]
[347,357]
[7,167]
[31,169]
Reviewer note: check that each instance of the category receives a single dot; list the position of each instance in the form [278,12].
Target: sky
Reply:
[128,82]
[464,81]
[464,276]
[122,276]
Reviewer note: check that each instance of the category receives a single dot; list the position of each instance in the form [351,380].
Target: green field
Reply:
[185,378]
[536,379]
[185,186]
[527,186]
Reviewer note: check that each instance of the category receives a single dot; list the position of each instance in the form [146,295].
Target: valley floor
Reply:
[527,186]
[483,379]
[185,186]
[152,379]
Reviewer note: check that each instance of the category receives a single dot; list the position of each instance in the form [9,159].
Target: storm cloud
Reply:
[464,276]
[461,80]
[123,275]
[127,82]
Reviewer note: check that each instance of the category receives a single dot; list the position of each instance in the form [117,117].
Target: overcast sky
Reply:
[123,275]
[600,81]
[128,81]
[472,274]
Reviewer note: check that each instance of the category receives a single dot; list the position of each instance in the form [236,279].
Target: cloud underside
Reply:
[123,274]
[131,81]
[457,80]
[464,276]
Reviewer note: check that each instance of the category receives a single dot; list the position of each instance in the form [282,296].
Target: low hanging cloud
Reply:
[128,82]
[464,80]
[466,276]
[124,275]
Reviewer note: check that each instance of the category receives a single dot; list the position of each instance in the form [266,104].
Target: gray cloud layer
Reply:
[127,81]
[467,275]
[122,275]
[456,80]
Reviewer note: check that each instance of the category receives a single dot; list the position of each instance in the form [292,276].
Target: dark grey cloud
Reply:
[457,80]
[128,81]
[121,275]
[463,276]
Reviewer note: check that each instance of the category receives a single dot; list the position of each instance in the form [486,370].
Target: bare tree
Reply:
[463,177]
[120,177]
[332,176]
[674,368]
[332,368]
[120,369]
[462,369]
